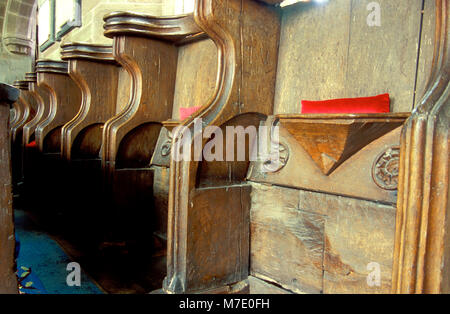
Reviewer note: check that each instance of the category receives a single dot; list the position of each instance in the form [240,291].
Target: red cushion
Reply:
[373,104]
[31,144]
[187,112]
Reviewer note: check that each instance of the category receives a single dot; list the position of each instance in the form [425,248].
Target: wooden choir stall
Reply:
[156,144]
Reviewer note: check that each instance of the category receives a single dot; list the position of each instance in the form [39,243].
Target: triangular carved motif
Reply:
[332,139]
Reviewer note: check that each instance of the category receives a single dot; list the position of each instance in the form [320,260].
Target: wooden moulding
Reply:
[96,73]
[65,101]
[178,29]
[422,248]
[42,99]
[208,227]
[146,47]
[8,279]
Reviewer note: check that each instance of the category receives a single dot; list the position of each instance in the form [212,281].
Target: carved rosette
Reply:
[385,168]
[167,146]
[277,159]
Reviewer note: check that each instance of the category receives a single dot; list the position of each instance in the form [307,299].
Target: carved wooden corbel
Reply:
[96,73]
[421,253]
[65,101]
[208,202]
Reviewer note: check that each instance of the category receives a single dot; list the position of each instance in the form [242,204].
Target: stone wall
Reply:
[18,28]
[17,33]
[93,12]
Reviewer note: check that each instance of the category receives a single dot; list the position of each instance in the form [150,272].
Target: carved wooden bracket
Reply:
[146,46]
[65,101]
[422,251]
[161,156]
[333,138]
[208,222]
[96,73]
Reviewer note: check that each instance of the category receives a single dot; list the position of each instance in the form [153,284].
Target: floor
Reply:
[47,260]
[112,269]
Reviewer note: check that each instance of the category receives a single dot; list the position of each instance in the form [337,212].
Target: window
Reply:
[184,6]
[46,24]
[56,18]
[67,16]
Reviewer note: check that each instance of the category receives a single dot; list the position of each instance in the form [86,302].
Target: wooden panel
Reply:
[132,198]
[124,90]
[98,84]
[310,242]
[426,49]
[217,243]
[357,233]
[258,286]
[64,105]
[382,59]
[8,279]
[312,59]
[286,243]
[160,197]
[345,57]
[196,75]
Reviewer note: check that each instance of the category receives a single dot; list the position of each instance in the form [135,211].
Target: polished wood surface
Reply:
[234,26]
[421,255]
[65,102]
[96,73]
[8,279]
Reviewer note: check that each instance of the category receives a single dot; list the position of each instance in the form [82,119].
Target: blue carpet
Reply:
[47,261]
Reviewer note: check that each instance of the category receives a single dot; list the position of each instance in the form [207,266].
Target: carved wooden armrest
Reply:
[22,108]
[208,213]
[146,46]
[65,101]
[42,98]
[96,73]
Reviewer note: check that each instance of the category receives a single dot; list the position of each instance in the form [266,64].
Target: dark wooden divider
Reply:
[94,70]
[25,109]
[8,279]
[208,225]
[44,173]
[149,48]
